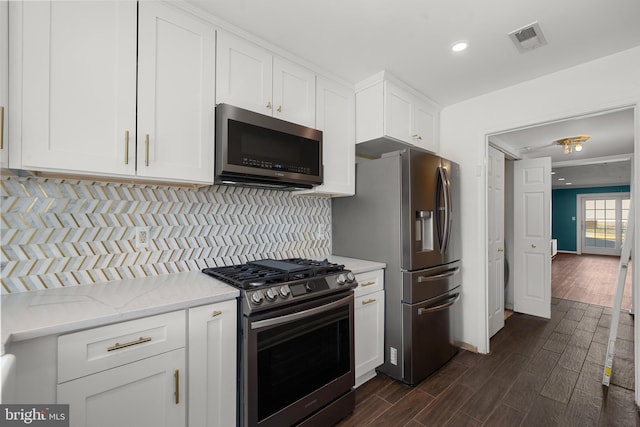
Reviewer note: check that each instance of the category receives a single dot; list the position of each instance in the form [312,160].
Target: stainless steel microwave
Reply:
[255,149]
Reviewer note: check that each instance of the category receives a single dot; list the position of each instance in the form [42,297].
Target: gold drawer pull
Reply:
[177,392]
[216,313]
[367,283]
[369,301]
[118,346]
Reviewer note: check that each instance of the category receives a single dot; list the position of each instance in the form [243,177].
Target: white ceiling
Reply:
[604,159]
[355,39]
[411,38]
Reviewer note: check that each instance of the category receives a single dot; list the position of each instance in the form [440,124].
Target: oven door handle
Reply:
[299,315]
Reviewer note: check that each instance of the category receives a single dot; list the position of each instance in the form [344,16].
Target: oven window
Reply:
[298,358]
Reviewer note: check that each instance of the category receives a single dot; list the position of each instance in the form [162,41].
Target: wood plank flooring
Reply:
[539,373]
[588,278]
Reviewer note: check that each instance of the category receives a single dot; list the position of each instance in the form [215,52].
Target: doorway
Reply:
[540,141]
[602,222]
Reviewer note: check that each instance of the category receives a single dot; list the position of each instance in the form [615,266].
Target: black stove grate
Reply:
[270,272]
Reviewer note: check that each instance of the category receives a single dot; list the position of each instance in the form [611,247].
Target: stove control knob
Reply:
[285,291]
[341,279]
[350,277]
[257,297]
[271,294]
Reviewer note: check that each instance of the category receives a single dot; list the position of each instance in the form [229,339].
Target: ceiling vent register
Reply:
[528,37]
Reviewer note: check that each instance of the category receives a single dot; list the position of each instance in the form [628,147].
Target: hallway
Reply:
[539,373]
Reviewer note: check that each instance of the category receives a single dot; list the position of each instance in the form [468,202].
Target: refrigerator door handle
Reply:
[444,179]
[454,298]
[448,273]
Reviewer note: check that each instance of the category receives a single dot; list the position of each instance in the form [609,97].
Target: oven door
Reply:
[298,359]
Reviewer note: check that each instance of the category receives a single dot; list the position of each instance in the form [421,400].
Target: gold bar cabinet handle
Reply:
[1,128]
[118,346]
[279,108]
[369,301]
[367,284]
[177,392]
[146,149]
[216,313]
[269,105]
[126,147]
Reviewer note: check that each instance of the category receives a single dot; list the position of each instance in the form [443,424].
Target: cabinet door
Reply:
[75,85]
[369,333]
[398,113]
[335,117]
[149,392]
[4,82]
[212,365]
[176,68]
[425,119]
[243,74]
[294,93]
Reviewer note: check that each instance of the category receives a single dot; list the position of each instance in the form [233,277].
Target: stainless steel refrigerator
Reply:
[406,213]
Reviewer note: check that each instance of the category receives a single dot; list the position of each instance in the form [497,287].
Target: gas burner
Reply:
[268,272]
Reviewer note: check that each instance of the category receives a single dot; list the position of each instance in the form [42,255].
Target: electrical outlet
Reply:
[142,237]
[321,231]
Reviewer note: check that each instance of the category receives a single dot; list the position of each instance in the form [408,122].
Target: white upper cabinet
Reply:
[250,77]
[335,117]
[387,108]
[4,83]
[244,74]
[76,88]
[176,68]
[294,93]
[74,77]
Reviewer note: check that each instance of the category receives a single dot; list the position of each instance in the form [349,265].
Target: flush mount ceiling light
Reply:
[459,46]
[573,143]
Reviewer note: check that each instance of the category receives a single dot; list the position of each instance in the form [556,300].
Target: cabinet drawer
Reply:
[94,350]
[369,282]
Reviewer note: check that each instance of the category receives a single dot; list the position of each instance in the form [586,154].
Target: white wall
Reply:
[606,83]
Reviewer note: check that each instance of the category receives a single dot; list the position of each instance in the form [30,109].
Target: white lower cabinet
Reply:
[127,374]
[148,392]
[369,325]
[212,365]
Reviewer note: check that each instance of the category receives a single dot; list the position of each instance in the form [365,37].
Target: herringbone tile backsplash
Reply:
[58,232]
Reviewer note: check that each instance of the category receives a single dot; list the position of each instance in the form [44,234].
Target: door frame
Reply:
[579,202]
[493,135]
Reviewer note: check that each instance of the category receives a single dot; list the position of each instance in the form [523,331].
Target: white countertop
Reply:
[55,311]
[356,266]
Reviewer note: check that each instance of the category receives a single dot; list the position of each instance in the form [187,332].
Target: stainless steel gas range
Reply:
[296,341]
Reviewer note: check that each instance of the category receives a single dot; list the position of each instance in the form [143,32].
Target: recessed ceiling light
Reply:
[561,179]
[459,46]
[568,183]
[553,172]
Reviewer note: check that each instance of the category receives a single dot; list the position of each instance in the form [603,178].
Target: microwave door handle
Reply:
[299,315]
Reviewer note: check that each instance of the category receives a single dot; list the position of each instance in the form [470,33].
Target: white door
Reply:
[176,76]
[4,82]
[398,113]
[604,223]
[78,87]
[243,74]
[149,392]
[424,126]
[294,93]
[495,189]
[532,236]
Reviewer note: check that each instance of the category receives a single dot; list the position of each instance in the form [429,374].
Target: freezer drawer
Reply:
[428,336]
[422,285]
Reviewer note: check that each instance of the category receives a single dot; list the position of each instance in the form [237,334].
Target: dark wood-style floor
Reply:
[539,373]
[588,278]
